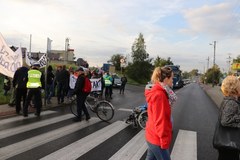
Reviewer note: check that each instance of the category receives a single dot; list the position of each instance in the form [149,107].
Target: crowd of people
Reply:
[28,84]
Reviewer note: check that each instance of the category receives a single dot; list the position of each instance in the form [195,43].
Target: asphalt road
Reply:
[55,134]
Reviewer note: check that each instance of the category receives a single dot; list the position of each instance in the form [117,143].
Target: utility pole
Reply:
[66,50]
[214,55]
[229,62]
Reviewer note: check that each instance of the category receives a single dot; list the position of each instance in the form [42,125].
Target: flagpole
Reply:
[48,50]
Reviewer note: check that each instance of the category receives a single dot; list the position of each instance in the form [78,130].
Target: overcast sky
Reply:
[180,29]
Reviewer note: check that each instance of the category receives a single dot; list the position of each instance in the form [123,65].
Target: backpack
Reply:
[87,85]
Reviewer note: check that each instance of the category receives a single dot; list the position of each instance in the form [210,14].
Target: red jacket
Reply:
[159,126]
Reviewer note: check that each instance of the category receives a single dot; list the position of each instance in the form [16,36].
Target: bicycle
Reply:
[103,108]
[138,117]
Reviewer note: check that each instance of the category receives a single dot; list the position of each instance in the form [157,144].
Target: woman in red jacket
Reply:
[159,126]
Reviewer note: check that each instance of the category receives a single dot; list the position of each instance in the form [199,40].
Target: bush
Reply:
[140,71]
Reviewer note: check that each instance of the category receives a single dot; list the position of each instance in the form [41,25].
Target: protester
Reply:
[62,84]
[35,82]
[108,83]
[159,125]
[81,95]
[229,115]
[59,68]
[19,83]
[50,84]
[124,82]
[6,85]
[72,83]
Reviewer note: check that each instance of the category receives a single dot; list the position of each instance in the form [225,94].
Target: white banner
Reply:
[42,61]
[9,61]
[96,84]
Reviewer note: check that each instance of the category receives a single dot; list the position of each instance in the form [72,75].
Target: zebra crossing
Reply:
[54,136]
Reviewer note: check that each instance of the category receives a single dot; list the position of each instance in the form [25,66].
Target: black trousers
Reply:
[21,94]
[81,98]
[36,93]
[61,91]
[225,154]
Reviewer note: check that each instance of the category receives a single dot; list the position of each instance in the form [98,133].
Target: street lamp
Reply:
[214,54]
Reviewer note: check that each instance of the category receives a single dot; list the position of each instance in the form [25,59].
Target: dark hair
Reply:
[166,72]
[50,68]
[159,74]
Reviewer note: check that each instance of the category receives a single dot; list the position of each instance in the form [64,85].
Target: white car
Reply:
[117,81]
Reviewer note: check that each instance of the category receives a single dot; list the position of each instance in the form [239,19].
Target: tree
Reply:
[160,62]
[213,74]
[194,72]
[186,75]
[139,53]
[236,60]
[141,68]
[115,59]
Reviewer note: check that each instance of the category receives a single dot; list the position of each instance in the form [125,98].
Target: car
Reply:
[117,81]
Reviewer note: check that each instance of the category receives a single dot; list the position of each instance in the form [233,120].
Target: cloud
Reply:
[217,21]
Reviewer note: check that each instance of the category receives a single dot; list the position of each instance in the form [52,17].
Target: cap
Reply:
[36,64]
[80,69]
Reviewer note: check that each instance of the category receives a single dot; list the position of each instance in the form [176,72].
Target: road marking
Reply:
[78,148]
[185,146]
[22,146]
[125,109]
[133,150]
[17,118]
[20,129]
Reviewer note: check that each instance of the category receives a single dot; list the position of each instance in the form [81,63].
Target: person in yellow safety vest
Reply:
[108,83]
[35,82]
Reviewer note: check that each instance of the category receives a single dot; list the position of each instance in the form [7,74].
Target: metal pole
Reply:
[214,53]
[48,51]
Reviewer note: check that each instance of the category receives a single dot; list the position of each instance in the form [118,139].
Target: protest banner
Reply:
[10,61]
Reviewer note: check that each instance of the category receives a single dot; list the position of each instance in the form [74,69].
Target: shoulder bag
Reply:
[226,137]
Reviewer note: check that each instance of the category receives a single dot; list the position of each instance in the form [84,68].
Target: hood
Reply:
[150,93]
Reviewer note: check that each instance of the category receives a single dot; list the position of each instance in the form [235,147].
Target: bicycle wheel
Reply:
[104,110]
[142,119]
[73,107]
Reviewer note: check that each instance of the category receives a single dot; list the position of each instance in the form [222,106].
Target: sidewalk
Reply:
[6,110]
[214,93]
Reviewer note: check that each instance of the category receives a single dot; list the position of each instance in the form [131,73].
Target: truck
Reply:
[177,79]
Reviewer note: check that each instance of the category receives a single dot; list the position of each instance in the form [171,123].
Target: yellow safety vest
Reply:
[34,79]
[107,81]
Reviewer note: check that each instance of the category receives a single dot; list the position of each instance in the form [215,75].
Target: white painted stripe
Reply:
[133,150]
[17,118]
[17,148]
[185,146]
[78,148]
[20,129]
[125,109]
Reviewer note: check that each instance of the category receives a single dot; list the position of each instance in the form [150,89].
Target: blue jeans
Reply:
[156,153]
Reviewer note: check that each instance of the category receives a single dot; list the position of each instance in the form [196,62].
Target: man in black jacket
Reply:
[81,96]
[19,82]
[62,79]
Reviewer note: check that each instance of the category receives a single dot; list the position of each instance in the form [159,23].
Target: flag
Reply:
[10,61]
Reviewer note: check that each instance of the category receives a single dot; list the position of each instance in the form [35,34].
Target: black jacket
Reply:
[20,78]
[79,85]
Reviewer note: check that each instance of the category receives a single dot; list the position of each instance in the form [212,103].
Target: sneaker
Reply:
[87,118]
